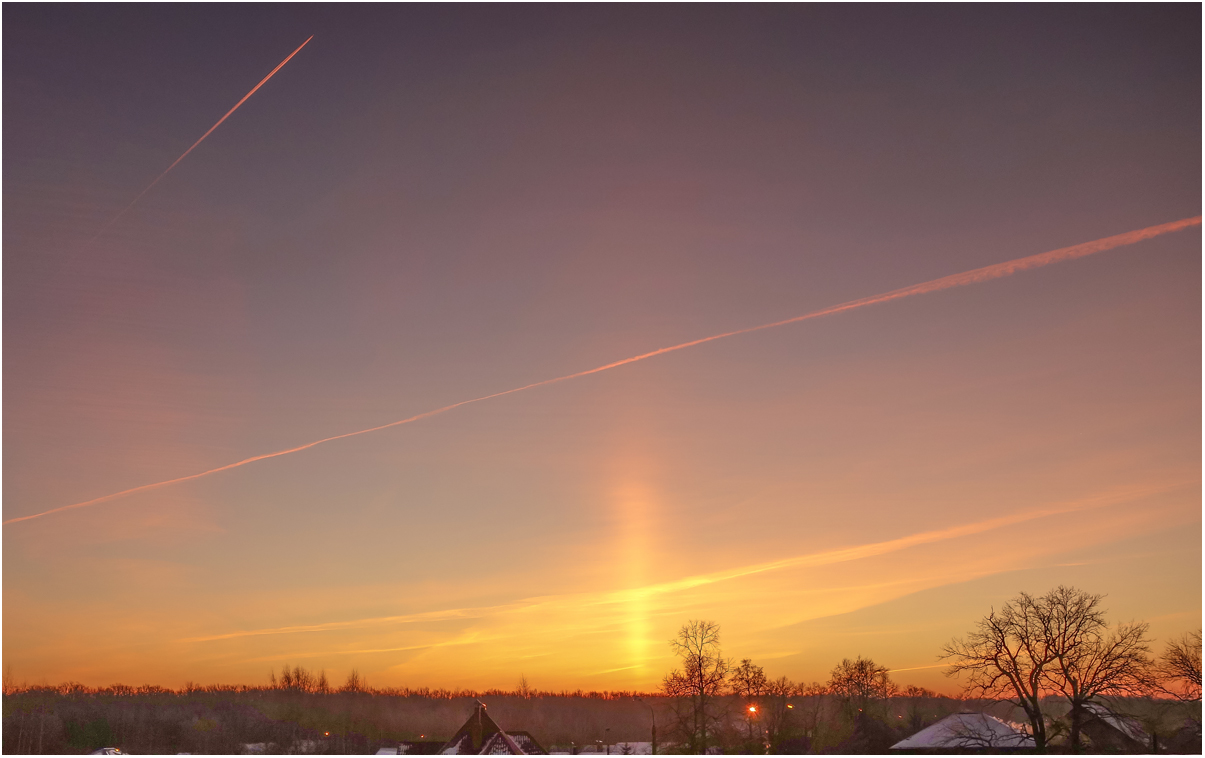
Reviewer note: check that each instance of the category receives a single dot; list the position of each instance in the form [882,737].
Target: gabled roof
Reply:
[1127,726]
[480,735]
[966,731]
[500,743]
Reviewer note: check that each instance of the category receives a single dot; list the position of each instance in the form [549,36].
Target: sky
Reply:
[432,204]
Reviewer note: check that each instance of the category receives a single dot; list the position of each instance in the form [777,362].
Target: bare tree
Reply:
[1005,657]
[777,708]
[355,682]
[748,683]
[809,707]
[697,688]
[916,697]
[748,680]
[1179,668]
[860,684]
[298,679]
[1088,661]
[1058,643]
[524,689]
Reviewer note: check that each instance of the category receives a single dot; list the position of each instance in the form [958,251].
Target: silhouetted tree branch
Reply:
[1005,657]
[860,683]
[1089,661]
[699,685]
[1179,668]
[748,682]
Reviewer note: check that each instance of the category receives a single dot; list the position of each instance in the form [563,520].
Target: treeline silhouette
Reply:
[297,714]
[299,710]
[72,718]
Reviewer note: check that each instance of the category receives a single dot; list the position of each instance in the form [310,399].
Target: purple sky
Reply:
[434,203]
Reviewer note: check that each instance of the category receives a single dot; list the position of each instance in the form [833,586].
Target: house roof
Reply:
[527,743]
[1124,724]
[481,735]
[966,731]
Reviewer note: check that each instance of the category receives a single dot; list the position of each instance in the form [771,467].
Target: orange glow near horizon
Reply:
[547,632]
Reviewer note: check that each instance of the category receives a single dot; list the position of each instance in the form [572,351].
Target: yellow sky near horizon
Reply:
[576,640]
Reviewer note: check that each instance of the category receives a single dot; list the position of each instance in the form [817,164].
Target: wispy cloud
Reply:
[921,668]
[581,601]
[890,546]
[412,618]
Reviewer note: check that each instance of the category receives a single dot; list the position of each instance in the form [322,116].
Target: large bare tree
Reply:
[698,688]
[1005,657]
[1059,643]
[1089,660]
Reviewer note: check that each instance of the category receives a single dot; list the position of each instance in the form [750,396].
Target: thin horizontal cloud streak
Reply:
[448,615]
[368,651]
[921,668]
[974,276]
[890,546]
[620,597]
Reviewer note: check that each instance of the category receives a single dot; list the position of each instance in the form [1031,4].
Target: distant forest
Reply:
[223,719]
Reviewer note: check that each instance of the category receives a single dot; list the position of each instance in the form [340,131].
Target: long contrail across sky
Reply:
[955,280]
[271,73]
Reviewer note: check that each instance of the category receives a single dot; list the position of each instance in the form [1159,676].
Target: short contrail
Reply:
[956,280]
[271,73]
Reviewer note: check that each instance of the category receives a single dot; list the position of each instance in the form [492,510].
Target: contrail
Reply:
[984,274]
[203,136]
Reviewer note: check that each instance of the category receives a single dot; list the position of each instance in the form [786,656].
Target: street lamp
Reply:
[607,738]
[653,716]
[749,717]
